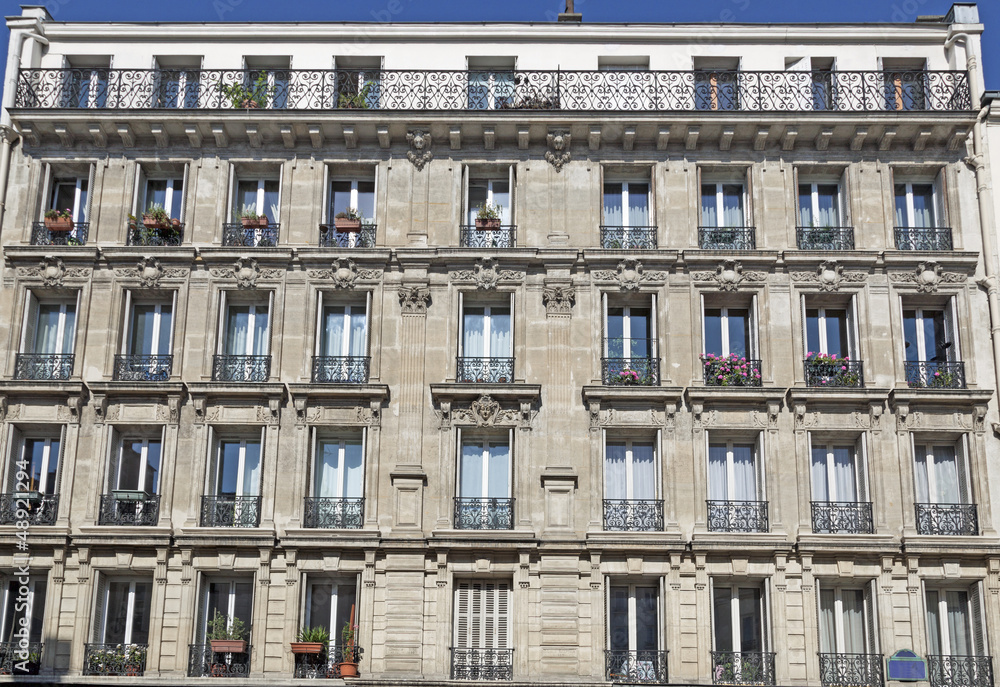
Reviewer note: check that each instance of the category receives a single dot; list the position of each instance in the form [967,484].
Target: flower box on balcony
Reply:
[487,224]
[27,495]
[254,222]
[346,225]
[59,224]
[129,494]
[153,222]
[307,647]
[228,646]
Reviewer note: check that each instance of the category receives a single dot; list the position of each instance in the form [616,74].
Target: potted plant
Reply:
[356,101]
[488,216]
[250,219]
[311,640]
[251,97]
[347,221]
[155,217]
[348,667]
[227,637]
[59,220]
[134,659]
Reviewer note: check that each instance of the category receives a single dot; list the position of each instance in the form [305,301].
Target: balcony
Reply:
[825,372]
[617,369]
[340,369]
[731,370]
[842,517]
[482,664]
[127,660]
[930,238]
[11,658]
[737,516]
[951,519]
[484,514]
[141,235]
[411,90]
[47,367]
[143,368]
[230,511]
[129,508]
[960,671]
[250,236]
[935,375]
[203,662]
[470,236]
[334,513]
[850,670]
[331,237]
[727,238]
[43,236]
[633,515]
[824,238]
[628,238]
[326,664]
[743,667]
[485,371]
[636,667]
[241,368]
[38,509]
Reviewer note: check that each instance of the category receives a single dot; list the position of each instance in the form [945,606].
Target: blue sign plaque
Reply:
[906,666]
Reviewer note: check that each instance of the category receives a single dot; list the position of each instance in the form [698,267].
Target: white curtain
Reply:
[260,331]
[732,205]
[613,211]
[358,328]
[499,472]
[327,469]
[473,344]
[920,474]
[615,471]
[251,469]
[958,623]
[843,473]
[353,469]
[827,621]
[923,205]
[500,333]
[643,472]
[821,489]
[744,473]
[901,205]
[946,475]
[829,213]
[854,621]
[333,331]
[709,209]
[933,624]
[270,201]
[237,327]
[638,205]
[471,481]
[47,331]
[718,481]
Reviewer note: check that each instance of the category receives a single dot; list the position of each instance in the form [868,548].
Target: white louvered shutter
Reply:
[462,614]
[100,604]
[871,619]
[978,619]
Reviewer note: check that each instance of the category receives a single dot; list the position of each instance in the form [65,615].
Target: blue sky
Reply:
[520,10]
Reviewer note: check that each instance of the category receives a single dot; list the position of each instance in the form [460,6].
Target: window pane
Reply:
[718,472]
[732,205]
[332,336]
[713,331]
[152,479]
[933,624]
[805,205]
[229,465]
[237,329]
[251,469]
[320,608]
[499,471]
[346,602]
[260,341]
[829,205]
[827,621]
[130,465]
[751,638]
[500,343]
[143,323]
[618,619]
[638,205]
[474,329]
[902,214]
[854,621]
[116,613]
[140,612]
[340,197]
[744,473]
[820,475]
[646,619]
[959,636]
[246,196]
[270,200]
[354,469]
[156,194]
[910,335]
[478,194]
[844,474]
[836,332]
[709,206]
[812,331]
[643,472]
[923,205]
[366,199]
[723,611]
[243,603]
[739,333]
[615,471]
[471,469]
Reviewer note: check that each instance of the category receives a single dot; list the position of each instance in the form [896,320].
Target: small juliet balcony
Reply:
[825,238]
[923,238]
[950,519]
[124,507]
[628,238]
[842,517]
[489,236]
[160,234]
[727,238]
[730,370]
[326,664]
[485,370]
[250,235]
[935,374]
[143,368]
[646,667]
[960,671]
[252,369]
[737,516]
[630,362]
[10,658]
[75,234]
[44,367]
[850,670]
[633,515]
[362,236]
[124,660]
[484,513]
[334,513]
[203,662]
[743,667]
[41,509]
[482,664]
[825,372]
[341,369]
[230,511]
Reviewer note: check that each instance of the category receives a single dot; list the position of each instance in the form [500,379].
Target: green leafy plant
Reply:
[356,101]
[828,370]
[220,627]
[254,96]
[349,213]
[156,212]
[943,380]
[59,214]
[248,212]
[729,370]
[347,635]
[317,635]
[487,211]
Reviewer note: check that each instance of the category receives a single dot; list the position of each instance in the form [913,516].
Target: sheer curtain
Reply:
[718,473]
[934,647]
[613,211]
[500,333]
[238,328]
[353,469]
[499,472]
[471,482]
[958,623]
[946,475]
[473,344]
[805,206]
[854,621]
[328,469]
[829,212]
[251,469]
[615,471]
[358,328]
[643,472]
[844,475]
[732,205]
[920,475]
[821,489]
[638,205]
[901,206]
[333,331]
[646,619]
[744,473]
[827,621]
[923,205]
[270,201]
[501,197]
[260,331]
[709,207]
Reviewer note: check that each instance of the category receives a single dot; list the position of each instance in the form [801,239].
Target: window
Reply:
[244,344]
[482,638]
[492,192]
[722,205]
[86,83]
[267,78]
[483,501]
[231,599]
[166,193]
[819,205]
[829,331]
[342,345]
[39,456]
[491,82]
[358,194]
[930,341]
[132,496]
[728,332]
[915,205]
[740,636]
[71,193]
[631,493]
[905,84]
[830,346]
[630,346]
[338,484]
[944,501]
[178,81]
[123,609]
[626,203]
[330,604]
[840,489]
[488,191]
[359,82]
[486,348]
[716,83]
[259,196]
[634,640]
[20,611]
[848,636]
[735,487]
[233,498]
[955,624]
[146,341]
[47,334]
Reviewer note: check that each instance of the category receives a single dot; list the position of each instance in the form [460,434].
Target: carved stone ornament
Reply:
[559,154]
[420,142]
[414,299]
[558,300]
[345,274]
[149,272]
[729,275]
[246,272]
[630,274]
[486,411]
[830,275]
[487,274]
[52,271]
[927,277]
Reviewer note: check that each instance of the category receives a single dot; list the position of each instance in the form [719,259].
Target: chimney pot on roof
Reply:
[569,14]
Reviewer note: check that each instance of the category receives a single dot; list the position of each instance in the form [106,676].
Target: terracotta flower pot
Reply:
[258,223]
[59,224]
[307,647]
[151,222]
[348,669]
[487,223]
[228,646]
[344,224]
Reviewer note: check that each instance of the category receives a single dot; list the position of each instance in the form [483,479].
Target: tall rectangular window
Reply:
[71,193]
[828,331]
[356,194]
[492,192]
[164,193]
[634,639]
[955,624]
[330,604]
[246,330]
[482,634]
[23,611]
[485,475]
[237,469]
[231,599]
[259,196]
[736,500]
[486,331]
[339,468]
[722,205]
[33,476]
[915,205]
[629,470]
[819,205]
[626,203]
[846,620]
[728,332]
[123,611]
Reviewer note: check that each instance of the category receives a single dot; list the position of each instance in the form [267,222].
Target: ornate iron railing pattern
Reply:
[241,368]
[484,513]
[141,235]
[117,511]
[504,236]
[326,664]
[724,372]
[43,236]
[44,366]
[834,373]
[11,658]
[250,237]
[743,667]
[850,670]
[203,662]
[955,519]
[143,368]
[737,516]
[628,238]
[842,517]
[485,370]
[635,667]
[960,671]
[334,512]
[482,664]
[727,238]
[824,238]
[923,238]
[935,375]
[633,515]
[429,90]
[230,511]
[630,371]
[341,369]
[364,237]
[115,659]
[37,509]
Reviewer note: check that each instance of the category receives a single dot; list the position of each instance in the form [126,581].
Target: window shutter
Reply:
[510,190]
[100,605]
[962,466]
[941,199]
[503,627]
[325,217]
[845,199]
[513,328]
[754,344]
[368,321]
[462,608]
[748,217]
[711,608]
[854,348]
[90,192]
[15,448]
[978,619]
[819,617]
[871,620]
[374,217]
[765,616]
[173,321]
[202,617]
[127,324]
[231,197]
[181,214]
[213,461]
[654,316]
[114,457]
[461,324]
[950,326]
[221,346]
[467,211]
[759,466]
[861,468]
[59,465]
[30,322]
[270,324]
[47,186]
[604,323]
[139,192]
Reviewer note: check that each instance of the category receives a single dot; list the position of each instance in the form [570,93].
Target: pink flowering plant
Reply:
[829,370]
[629,377]
[944,379]
[730,370]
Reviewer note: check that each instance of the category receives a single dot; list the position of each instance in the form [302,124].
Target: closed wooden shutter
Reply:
[482,615]
[871,617]
[861,469]
[114,457]
[765,616]
[100,604]
[978,620]
[962,466]
[29,323]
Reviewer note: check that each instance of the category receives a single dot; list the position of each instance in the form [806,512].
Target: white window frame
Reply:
[730,477]
[14,599]
[157,324]
[259,203]
[734,605]
[484,443]
[720,202]
[920,325]
[354,194]
[627,326]
[868,619]
[43,484]
[168,205]
[251,328]
[935,211]
[341,457]
[633,615]
[345,339]
[143,458]
[487,330]
[857,466]
[626,219]
[80,206]
[240,470]
[961,467]
[823,342]
[230,605]
[629,482]
[129,612]
[814,198]
[724,328]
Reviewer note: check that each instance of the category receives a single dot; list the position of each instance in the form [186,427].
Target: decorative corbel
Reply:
[445,411]
[174,409]
[75,404]
[799,411]
[875,415]
[200,404]
[100,404]
[979,417]
[274,405]
[902,414]
[773,408]
[301,404]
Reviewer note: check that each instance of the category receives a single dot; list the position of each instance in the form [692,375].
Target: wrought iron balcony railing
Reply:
[828,373]
[49,367]
[630,362]
[842,517]
[737,516]
[250,237]
[824,238]
[115,659]
[960,671]
[743,667]
[727,238]
[334,512]
[633,515]
[230,511]
[850,670]
[203,662]
[923,238]
[731,371]
[484,513]
[141,235]
[482,664]
[143,368]
[341,369]
[43,236]
[955,519]
[12,661]
[485,370]
[628,238]
[326,664]
[432,90]
[935,375]
[129,508]
[502,236]
[31,506]
[241,368]
[330,237]
[636,667]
